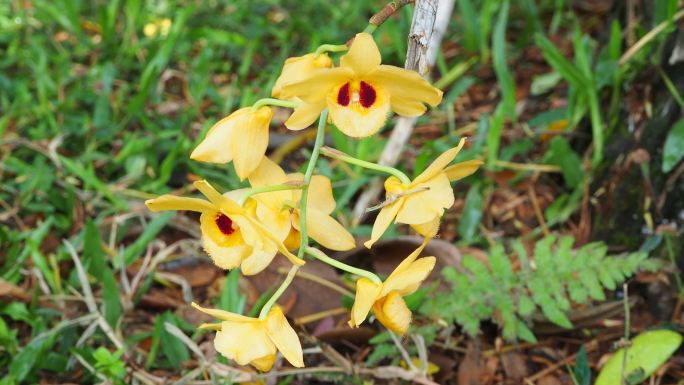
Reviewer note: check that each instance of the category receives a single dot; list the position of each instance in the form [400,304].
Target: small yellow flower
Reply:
[280,209]
[231,234]
[159,27]
[386,299]
[299,68]
[422,202]
[248,340]
[360,93]
[242,137]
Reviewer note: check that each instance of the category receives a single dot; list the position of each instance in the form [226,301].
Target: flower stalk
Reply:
[331,48]
[265,189]
[342,266]
[274,102]
[304,242]
[283,286]
[320,136]
[339,155]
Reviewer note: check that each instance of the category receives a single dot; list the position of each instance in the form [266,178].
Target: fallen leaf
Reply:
[515,366]
[471,370]
[10,292]
[549,380]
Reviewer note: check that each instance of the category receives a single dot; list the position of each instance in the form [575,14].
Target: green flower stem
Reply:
[333,153]
[320,135]
[274,102]
[330,48]
[370,28]
[264,189]
[342,266]
[288,279]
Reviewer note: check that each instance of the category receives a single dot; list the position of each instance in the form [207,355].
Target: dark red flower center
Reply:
[343,95]
[224,224]
[366,95]
[363,93]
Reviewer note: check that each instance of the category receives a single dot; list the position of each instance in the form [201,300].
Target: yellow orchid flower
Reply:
[231,234]
[299,68]
[386,299]
[360,92]
[280,209]
[253,341]
[422,202]
[242,137]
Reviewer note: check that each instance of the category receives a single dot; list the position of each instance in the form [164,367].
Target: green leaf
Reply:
[111,302]
[561,154]
[525,305]
[414,300]
[93,255]
[558,61]
[380,352]
[606,279]
[577,292]
[648,351]
[174,349]
[471,215]
[470,27]
[500,265]
[581,371]
[231,299]
[29,355]
[133,252]
[494,134]
[555,315]
[525,333]
[91,181]
[591,282]
[674,146]
[544,83]
[156,339]
[501,69]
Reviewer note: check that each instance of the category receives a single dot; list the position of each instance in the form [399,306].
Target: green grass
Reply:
[96,116]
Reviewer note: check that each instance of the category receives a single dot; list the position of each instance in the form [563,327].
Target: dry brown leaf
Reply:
[514,365]
[11,292]
[471,370]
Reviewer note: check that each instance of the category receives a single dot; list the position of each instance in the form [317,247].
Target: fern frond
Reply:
[554,278]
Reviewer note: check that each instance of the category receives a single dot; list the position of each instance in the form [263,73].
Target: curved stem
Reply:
[336,154]
[370,28]
[288,279]
[264,189]
[274,102]
[342,266]
[331,48]
[320,135]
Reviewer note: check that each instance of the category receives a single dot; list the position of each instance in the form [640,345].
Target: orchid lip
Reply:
[224,223]
[361,93]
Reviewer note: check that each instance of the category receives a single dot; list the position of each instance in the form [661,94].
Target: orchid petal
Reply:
[366,294]
[284,337]
[172,202]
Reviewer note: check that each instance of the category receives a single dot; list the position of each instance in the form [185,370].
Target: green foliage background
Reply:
[95,117]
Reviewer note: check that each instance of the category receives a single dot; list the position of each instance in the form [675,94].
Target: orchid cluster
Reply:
[279,212]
